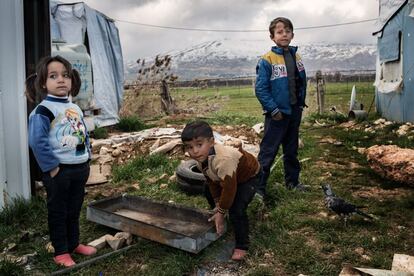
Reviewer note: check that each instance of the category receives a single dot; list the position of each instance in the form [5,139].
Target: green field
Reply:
[294,234]
[242,100]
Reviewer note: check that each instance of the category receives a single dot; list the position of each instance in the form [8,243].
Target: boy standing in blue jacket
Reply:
[281,90]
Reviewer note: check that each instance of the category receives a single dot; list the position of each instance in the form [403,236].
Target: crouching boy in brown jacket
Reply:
[232,175]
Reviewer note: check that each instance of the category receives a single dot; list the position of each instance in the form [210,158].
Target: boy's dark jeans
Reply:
[284,132]
[237,211]
[65,193]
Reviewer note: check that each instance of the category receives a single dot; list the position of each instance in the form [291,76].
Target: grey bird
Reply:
[340,206]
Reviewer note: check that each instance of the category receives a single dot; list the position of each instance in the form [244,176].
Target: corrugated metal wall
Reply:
[14,168]
[398,106]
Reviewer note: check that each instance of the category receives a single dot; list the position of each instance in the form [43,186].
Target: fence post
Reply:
[320,91]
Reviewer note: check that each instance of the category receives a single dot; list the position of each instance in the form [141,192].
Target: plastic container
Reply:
[78,56]
[358,114]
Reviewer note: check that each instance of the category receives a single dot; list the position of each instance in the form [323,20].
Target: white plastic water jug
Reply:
[78,56]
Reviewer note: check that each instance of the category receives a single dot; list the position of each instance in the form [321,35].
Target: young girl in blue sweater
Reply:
[60,143]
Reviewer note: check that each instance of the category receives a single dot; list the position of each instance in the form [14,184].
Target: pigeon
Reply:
[340,206]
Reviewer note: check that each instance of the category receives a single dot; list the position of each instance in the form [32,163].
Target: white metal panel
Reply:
[2,156]
[13,101]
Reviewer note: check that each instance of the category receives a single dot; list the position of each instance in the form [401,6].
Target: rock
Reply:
[101,142]
[366,258]
[49,247]
[124,235]
[103,159]
[155,145]
[258,128]
[104,150]
[361,150]
[323,214]
[116,146]
[300,144]
[392,162]
[116,152]
[167,147]
[359,250]
[172,178]
[152,180]
[379,121]
[403,263]
[115,242]
[100,242]
[163,176]
[404,130]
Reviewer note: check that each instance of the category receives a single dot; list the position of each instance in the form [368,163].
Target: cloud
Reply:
[140,41]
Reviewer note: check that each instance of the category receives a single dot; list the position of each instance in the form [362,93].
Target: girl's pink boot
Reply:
[85,250]
[64,259]
[238,254]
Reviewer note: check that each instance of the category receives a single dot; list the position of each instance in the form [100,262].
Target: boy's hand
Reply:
[218,219]
[54,172]
[278,116]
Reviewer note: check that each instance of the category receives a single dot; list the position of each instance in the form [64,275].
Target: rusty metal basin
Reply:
[170,224]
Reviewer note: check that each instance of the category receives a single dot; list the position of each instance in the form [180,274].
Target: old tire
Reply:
[190,189]
[189,177]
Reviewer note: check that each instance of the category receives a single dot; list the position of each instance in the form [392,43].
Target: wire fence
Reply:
[236,95]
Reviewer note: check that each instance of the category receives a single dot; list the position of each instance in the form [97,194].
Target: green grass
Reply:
[10,268]
[291,237]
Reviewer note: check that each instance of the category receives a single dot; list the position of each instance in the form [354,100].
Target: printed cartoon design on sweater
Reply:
[71,131]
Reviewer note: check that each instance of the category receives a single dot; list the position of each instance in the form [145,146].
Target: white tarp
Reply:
[389,77]
[70,22]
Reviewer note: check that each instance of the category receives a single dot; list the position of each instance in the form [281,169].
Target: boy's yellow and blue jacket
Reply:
[272,85]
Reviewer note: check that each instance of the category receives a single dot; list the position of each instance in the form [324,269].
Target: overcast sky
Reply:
[140,41]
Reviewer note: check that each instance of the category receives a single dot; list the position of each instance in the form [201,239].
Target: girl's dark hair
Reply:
[284,20]
[35,83]
[195,130]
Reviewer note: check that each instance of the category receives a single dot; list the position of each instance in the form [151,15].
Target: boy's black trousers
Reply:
[65,193]
[284,132]
[237,211]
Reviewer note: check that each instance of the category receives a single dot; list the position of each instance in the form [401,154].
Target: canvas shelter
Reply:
[78,24]
[394,93]
[25,28]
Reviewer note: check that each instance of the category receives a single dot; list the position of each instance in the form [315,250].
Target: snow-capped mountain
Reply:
[230,58]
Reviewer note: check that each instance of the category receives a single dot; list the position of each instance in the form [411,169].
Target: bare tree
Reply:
[157,74]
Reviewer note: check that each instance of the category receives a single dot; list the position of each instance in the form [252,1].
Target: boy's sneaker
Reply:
[64,259]
[298,187]
[85,250]
[238,254]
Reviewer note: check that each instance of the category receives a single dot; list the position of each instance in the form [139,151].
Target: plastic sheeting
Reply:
[387,8]
[68,23]
[389,43]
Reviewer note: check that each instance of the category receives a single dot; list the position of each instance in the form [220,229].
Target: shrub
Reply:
[130,123]
[100,133]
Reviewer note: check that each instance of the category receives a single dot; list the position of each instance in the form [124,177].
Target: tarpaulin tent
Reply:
[77,23]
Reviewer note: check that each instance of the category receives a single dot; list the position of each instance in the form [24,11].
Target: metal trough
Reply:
[177,226]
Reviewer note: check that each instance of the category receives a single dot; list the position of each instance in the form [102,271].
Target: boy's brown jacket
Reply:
[226,169]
